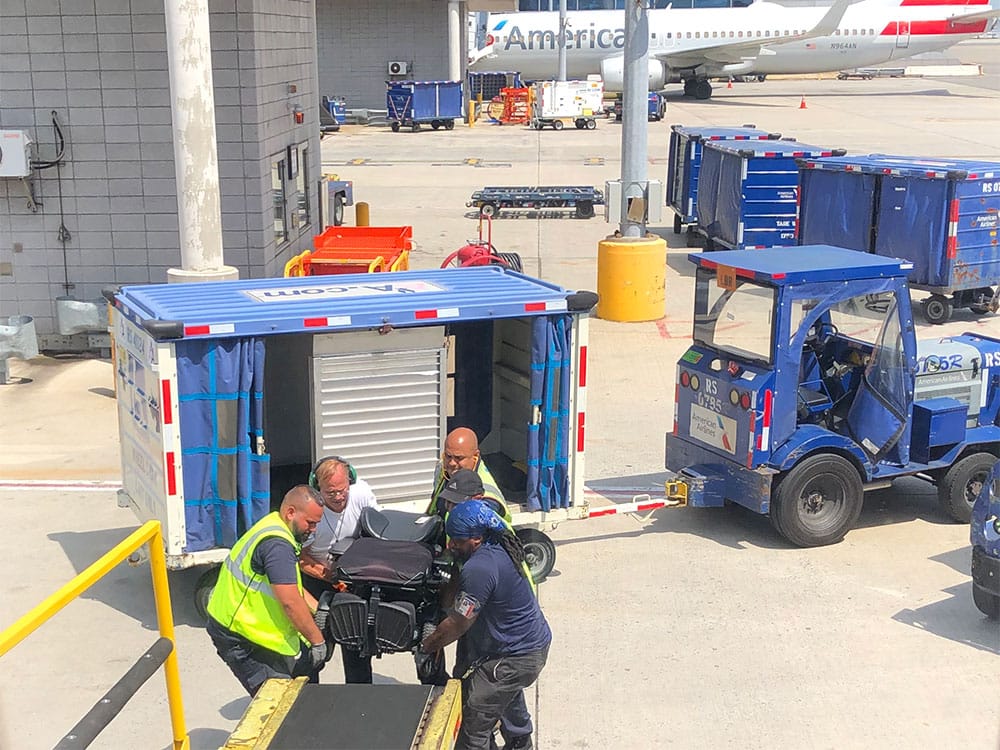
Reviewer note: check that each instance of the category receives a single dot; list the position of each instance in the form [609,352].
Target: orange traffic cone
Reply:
[802,104]
[730,84]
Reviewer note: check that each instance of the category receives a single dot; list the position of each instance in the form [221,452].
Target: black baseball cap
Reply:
[463,484]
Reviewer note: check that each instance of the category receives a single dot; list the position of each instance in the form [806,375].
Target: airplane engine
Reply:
[613,73]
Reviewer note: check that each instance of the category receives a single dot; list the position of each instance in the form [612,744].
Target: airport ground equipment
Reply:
[940,214]
[513,107]
[656,107]
[487,86]
[555,104]
[229,391]
[985,537]
[804,386]
[482,252]
[332,113]
[684,164]
[290,714]
[581,198]
[342,250]
[748,192]
[335,195]
[410,104]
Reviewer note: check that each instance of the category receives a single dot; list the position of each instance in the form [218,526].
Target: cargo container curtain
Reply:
[836,209]
[548,433]
[226,480]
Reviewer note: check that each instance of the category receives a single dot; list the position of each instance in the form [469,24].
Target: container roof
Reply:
[774,149]
[803,264]
[713,133]
[910,166]
[337,302]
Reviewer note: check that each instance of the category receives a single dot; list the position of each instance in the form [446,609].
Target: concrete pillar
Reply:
[456,35]
[192,97]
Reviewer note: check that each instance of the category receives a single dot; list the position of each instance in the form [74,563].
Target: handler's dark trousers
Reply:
[252,664]
[495,689]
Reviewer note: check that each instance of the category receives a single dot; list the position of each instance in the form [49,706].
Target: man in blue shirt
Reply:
[505,636]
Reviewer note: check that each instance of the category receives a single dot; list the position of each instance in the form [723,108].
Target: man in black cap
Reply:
[463,485]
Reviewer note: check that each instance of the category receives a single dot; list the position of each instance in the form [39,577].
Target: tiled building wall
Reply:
[356,41]
[108,214]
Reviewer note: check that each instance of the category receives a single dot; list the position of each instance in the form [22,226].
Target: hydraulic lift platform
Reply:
[294,715]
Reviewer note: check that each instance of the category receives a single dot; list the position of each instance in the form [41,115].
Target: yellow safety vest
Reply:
[243,600]
[491,489]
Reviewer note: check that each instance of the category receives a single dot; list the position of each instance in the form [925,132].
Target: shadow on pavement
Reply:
[955,618]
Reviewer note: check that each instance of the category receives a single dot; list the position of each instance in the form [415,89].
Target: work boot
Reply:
[522,742]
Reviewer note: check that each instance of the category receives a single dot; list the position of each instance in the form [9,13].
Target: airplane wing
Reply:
[744,50]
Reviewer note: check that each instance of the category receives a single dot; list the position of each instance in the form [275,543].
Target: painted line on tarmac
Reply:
[47,485]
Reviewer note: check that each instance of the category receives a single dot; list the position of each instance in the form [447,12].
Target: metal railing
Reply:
[162,652]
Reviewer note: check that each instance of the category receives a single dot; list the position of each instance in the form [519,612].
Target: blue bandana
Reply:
[473,518]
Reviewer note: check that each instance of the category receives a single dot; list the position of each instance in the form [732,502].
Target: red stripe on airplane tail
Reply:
[915,3]
[936,28]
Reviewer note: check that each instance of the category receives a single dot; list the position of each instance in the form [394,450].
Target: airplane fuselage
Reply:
[870,32]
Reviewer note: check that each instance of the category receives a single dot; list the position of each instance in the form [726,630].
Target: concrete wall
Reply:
[356,41]
[108,213]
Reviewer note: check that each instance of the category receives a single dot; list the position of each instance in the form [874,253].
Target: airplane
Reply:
[693,45]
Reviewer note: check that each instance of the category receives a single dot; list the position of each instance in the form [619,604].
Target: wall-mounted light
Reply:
[300,116]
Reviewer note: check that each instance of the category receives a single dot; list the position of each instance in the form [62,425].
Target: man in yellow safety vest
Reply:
[260,618]
[461,451]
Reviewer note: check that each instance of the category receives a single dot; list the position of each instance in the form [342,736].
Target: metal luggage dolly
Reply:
[581,198]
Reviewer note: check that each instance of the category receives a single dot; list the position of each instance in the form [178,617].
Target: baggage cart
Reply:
[748,190]
[228,392]
[940,214]
[684,164]
[413,103]
[486,86]
[656,107]
[558,103]
[340,250]
[580,198]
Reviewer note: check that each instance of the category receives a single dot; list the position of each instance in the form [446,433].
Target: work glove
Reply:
[320,654]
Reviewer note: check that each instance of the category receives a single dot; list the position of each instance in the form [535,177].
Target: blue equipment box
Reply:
[748,192]
[684,163]
[940,214]
[937,423]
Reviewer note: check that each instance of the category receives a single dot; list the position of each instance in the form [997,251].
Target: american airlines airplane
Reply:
[694,45]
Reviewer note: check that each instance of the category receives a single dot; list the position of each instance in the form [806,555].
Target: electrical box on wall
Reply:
[15,153]
[398,68]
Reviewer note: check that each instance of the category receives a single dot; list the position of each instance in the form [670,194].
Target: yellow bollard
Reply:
[472,112]
[361,217]
[631,278]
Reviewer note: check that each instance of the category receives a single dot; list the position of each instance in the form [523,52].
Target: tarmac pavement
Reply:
[693,628]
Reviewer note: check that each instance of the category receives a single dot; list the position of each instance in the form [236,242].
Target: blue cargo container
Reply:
[684,164]
[411,103]
[940,214]
[748,190]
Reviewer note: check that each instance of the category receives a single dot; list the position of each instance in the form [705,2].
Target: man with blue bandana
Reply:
[505,637]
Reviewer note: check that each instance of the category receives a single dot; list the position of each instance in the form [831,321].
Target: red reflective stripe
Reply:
[534,306]
[768,396]
[425,314]
[579,432]
[602,512]
[171,475]
[952,246]
[196,330]
[165,404]
[583,367]
[753,427]
[953,211]
[314,322]
[650,506]
[915,3]
[777,275]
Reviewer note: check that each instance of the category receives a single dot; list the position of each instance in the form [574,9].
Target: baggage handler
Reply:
[344,496]
[503,634]
[260,618]
[461,451]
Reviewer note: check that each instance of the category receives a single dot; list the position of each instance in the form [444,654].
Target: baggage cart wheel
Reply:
[982,297]
[449,124]
[203,590]
[395,127]
[678,224]
[962,483]
[557,125]
[817,501]
[584,209]
[986,602]
[338,211]
[415,127]
[580,123]
[539,552]
[435,124]
[488,209]
[937,309]
[591,124]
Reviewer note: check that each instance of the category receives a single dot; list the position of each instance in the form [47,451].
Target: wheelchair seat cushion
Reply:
[385,561]
[400,526]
